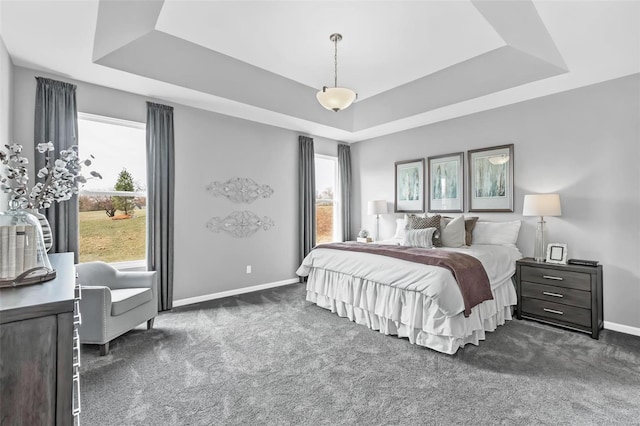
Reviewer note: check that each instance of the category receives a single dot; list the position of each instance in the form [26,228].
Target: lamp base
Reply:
[539,250]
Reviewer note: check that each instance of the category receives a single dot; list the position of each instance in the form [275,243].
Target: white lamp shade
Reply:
[377,207]
[542,205]
[336,98]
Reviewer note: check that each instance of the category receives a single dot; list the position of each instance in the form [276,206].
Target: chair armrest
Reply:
[95,296]
[95,307]
[134,279]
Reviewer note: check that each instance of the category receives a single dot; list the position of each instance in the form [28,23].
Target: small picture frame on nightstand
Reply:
[557,253]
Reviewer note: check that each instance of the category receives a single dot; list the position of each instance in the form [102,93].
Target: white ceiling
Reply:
[412,63]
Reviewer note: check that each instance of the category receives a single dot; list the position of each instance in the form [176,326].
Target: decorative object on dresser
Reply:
[541,205]
[409,186]
[59,179]
[23,255]
[446,183]
[363,237]
[491,179]
[557,253]
[582,262]
[569,296]
[39,383]
[377,207]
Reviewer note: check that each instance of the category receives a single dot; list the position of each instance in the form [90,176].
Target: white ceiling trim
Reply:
[195,67]
[557,46]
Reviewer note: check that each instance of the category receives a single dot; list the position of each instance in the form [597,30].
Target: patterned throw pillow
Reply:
[416,222]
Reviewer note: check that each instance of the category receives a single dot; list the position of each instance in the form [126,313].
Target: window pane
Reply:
[324,221]
[111,238]
[113,226]
[326,214]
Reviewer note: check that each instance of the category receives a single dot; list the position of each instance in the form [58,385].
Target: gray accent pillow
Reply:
[419,237]
[416,222]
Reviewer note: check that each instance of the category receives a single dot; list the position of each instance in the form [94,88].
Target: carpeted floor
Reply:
[272,358]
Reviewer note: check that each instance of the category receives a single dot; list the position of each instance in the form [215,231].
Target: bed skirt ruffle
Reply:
[407,313]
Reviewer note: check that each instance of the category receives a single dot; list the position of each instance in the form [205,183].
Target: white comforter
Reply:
[438,284]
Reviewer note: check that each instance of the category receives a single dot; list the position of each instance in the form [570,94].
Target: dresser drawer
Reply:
[556,311]
[556,294]
[556,277]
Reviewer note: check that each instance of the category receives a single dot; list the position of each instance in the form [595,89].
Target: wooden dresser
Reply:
[36,349]
[565,295]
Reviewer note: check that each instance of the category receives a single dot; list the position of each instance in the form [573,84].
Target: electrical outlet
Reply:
[248,269]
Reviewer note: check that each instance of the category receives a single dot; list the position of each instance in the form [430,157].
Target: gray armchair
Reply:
[114,302]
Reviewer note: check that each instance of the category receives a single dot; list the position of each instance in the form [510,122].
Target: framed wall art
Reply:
[446,183]
[491,179]
[409,186]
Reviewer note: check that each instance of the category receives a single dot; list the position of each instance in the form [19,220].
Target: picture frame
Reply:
[557,253]
[409,186]
[491,179]
[446,183]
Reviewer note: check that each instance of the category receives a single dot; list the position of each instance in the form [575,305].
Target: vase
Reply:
[23,257]
[46,229]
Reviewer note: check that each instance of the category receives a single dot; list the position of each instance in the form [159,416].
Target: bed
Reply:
[420,302]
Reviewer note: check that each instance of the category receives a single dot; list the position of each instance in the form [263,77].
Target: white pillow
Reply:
[401,225]
[418,237]
[452,232]
[498,233]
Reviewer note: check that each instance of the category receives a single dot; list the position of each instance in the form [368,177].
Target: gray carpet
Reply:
[272,358]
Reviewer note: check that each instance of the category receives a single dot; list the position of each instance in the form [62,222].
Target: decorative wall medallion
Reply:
[240,224]
[240,190]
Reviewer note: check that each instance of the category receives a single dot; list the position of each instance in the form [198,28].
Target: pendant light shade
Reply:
[336,98]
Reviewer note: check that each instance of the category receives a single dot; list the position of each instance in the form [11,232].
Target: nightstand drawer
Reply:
[568,279]
[566,296]
[556,311]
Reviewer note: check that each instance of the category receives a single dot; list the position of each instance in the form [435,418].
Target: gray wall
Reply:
[6,90]
[583,144]
[209,147]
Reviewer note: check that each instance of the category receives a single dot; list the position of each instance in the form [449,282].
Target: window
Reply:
[328,224]
[113,220]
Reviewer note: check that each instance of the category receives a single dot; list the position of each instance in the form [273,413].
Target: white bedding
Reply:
[409,299]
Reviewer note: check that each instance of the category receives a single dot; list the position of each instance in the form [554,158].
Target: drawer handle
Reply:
[77,408]
[548,293]
[553,311]
[551,277]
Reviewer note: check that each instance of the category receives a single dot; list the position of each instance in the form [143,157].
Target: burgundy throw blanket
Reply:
[467,270]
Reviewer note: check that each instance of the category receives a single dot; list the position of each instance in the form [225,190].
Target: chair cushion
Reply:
[125,299]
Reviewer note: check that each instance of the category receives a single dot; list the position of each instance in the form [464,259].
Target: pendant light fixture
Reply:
[336,98]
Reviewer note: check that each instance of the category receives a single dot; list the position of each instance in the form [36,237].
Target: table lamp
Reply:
[541,205]
[377,207]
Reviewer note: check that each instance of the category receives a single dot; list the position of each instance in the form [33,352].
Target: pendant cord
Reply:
[335,61]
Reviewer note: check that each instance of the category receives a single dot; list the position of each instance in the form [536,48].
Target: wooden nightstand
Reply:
[565,295]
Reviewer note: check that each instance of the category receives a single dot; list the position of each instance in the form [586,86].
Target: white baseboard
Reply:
[212,296]
[622,328]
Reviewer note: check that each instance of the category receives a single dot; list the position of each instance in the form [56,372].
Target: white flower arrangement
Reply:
[62,176]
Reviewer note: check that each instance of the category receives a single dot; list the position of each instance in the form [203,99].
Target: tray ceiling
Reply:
[412,63]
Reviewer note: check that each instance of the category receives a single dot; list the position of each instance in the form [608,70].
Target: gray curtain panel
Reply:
[56,120]
[160,201]
[344,173]
[307,193]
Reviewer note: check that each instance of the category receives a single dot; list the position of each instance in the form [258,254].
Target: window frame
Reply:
[337,217]
[138,264]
